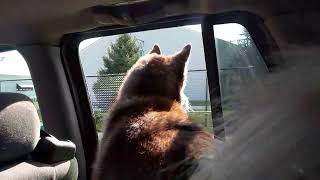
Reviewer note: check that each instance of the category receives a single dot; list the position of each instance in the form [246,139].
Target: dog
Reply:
[148,133]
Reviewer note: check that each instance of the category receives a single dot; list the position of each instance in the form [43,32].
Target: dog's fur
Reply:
[148,134]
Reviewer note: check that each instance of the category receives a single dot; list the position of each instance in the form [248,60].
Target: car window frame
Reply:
[70,57]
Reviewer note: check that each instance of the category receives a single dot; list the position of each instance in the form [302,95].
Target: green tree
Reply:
[246,41]
[119,57]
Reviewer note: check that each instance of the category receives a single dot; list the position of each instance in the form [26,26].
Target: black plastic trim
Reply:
[82,104]
[213,77]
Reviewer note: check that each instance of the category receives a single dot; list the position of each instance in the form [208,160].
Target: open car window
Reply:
[240,68]
[105,61]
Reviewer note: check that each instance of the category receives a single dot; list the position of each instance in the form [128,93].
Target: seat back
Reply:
[20,142]
[19,127]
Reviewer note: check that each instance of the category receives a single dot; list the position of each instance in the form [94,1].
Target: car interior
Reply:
[51,105]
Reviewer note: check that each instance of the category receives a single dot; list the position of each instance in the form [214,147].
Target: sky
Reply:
[227,32]
[13,63]
[87,42]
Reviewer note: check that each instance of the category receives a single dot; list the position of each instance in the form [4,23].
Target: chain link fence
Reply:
[103,90]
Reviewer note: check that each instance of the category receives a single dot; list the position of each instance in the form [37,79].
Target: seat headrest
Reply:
[19,126]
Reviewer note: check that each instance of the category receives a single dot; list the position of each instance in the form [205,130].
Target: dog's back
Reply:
[156,140]
[149,134]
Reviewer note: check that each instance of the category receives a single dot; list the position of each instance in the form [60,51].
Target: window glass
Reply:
[103,79]
[240,64]
[15,76]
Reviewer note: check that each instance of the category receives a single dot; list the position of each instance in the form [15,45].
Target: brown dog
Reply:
[148,133]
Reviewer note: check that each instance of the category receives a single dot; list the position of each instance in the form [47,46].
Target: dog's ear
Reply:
[179,61]
[183,55]
[155,49]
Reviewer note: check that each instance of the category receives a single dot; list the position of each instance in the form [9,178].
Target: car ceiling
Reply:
[45,22]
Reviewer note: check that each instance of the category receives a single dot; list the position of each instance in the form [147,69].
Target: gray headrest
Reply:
[19,126]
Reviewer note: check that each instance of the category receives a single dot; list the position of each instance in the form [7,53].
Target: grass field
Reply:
[200,117]
[200,103]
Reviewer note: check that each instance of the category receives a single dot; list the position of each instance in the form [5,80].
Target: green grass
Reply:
[200,103]
[201,117]
[99,118]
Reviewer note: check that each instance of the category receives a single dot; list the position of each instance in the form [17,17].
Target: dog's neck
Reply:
[140,104]
[137,106]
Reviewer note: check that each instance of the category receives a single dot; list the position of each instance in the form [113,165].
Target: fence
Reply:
[102,91]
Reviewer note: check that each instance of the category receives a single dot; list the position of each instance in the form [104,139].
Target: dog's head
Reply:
[155,74]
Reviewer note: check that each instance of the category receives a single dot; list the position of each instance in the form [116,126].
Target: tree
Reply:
[236,60]
[119,57]
[245,42]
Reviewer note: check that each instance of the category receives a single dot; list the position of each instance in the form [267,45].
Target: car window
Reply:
[240,65]
[103,78]
[15,77]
